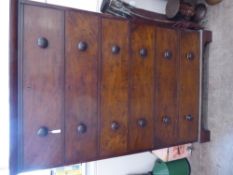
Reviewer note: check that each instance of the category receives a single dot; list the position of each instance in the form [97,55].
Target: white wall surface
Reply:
[93,5]
[131,164]
[151,5]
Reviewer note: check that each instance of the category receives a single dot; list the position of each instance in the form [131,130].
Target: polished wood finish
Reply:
[189,75]
[141,90]
[114,87]
[166,87]
[205,134]
[13,83]
[81,86]
[42,87]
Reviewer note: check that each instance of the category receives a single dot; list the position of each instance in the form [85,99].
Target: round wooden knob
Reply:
[142,123]
[115,49]
[143,52]
[43,131]
[168,54]
[115,126]
[82,46]
[189,117]
[190,56]
[42,42]
[81,128]
[166,120]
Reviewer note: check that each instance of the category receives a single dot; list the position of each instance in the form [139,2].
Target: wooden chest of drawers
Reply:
[92,86]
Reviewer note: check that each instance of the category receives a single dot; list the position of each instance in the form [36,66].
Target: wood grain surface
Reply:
[166,87]
[114,87]
[189,76]
[43,87]
[81,86]
[141,90]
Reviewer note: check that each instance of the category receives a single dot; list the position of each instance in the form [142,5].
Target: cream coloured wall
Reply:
[152,5]
[93,5]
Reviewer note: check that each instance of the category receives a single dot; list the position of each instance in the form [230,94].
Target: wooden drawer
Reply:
[114,87]
[42,66]
[141,87]
[166,99]
[189,76]
[82,55]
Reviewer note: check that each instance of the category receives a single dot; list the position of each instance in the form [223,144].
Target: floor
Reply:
[216,157]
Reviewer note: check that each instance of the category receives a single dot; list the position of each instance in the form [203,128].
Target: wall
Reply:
[216,157]
[152,5]
[132,164]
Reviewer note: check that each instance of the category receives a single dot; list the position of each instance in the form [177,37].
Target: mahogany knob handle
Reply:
[81,128]
[142,123]
[43,131]
[115,49]
[168,54]
[115,126]
[166,120]
[189,117]
[82,46]
[143,52]
[190,56]
[42,42]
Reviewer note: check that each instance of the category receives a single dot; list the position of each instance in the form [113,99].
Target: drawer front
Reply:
[141,87]
[189,86]
[167,42]
[114,87]
[42,85]
[82,54]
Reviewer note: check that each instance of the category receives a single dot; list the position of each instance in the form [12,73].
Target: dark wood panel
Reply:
[141,87]
[204,133]
[43,86]
[114,87]
[81,86]
[13,82]
[167,43]
[189,86]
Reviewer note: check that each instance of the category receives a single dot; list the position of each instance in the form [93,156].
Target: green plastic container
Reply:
[177,167]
